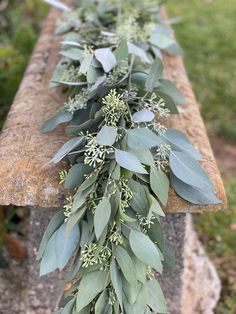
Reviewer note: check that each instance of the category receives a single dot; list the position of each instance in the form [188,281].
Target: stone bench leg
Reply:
[43,293]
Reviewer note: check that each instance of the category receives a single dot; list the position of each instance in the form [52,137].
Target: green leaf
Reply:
[155,297]
[62,116]
[161,41]
[145,156]
[139,52]
[180,142]
[156,72]
[170,89]
[101,303]
[83,192]
[139,306]
[93,74]
[169,257]
[57,74]
[169,102]
[76,175]
[59,249]
[174,49]
[126,264]
[66,148]
[75,218]
[58,4]
[106,57]
[131,291]
[142,138]
[121,52]
[68,309]
[159,184]
[143,115]
[73,54]
[156,208]
[116,281]
[107,135]
[85,64]
[91,285]
[145,250]
[189,171]
[102,216]
[56,221]
[156,234]
[140,268]
[129,161]
[193,194]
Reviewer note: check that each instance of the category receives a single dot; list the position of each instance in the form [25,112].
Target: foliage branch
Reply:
[122,158]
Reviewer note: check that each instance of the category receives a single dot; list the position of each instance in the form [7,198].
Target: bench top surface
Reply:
[27,179]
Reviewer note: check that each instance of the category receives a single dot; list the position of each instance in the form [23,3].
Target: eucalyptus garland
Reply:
[122,159]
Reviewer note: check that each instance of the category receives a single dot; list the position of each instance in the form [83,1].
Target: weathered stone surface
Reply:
[201,284]
[26,176]
[43,293]
[174,225]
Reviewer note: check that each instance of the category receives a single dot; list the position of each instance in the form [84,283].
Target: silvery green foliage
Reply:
[122,159]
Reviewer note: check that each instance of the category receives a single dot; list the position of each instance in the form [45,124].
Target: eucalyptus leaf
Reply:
[58,4]
[155,232]
[161,41]
[60,248]
[180,142]
[142,138]
[69,307]
[90,286]
[116,281]
[189,171]
[169,102]
[139,52]
[62,116]
[170,89]
[56,221]
[76,175]
[155,297]
[122,51]
[131,291]
[140,305]
[106,57]
[159,184]
[193,194]
[156,208]
[75,218]
[129,161]
[85,64]
[126,264]
[143,115]
[101,216]
[145,250]
[156,72]
[107,136]
[101,303]
[72,53]
[169,257]
[66,148]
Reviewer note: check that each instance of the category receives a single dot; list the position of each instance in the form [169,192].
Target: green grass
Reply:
[20,24]
[207,35]
[218,233]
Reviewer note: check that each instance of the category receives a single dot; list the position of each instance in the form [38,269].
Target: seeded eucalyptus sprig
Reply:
[122,158]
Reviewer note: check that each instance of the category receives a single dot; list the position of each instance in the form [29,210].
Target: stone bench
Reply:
[28,180]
